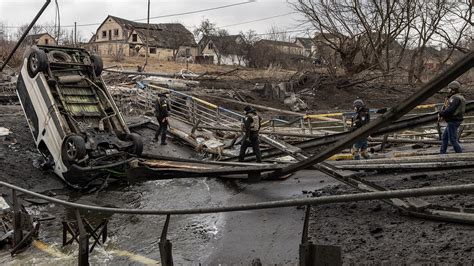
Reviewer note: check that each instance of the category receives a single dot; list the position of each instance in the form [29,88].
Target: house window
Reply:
[134,37]
[116,32]
[188,52]
[152,50]
[46,41]
[104,34]
[210,46]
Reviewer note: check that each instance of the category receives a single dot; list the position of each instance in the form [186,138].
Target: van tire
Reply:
[97,64]
[73,149]
[37,62]
[137,147]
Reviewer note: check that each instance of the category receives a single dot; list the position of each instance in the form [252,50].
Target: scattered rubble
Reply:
[136,99]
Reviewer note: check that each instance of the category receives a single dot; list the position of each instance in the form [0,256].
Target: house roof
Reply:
[278,43]
[306,42]
[93,38]
[166,35]
[228,44]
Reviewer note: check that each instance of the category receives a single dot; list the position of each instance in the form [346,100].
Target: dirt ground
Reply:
[374,232]
[313,86]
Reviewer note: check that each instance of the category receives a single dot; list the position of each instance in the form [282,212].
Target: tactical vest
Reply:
[255,125]
[461,109]
[161,107]
[362,117]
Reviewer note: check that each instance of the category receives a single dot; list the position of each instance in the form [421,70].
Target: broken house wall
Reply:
[111,39]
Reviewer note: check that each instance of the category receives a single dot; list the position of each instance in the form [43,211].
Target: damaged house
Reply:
[121,37]
[40,39]
[308,46]
[224,50]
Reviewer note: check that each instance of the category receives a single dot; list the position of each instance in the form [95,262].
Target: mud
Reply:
[376,233]
[271,235]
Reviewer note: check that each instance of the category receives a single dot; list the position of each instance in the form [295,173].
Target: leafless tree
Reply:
[385,35]
[248,40]
[277,34]
[205,28]
[3,31]
[178,41]
[360,32]
[36,29]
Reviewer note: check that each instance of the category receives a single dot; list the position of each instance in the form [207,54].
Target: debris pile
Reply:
[8,80]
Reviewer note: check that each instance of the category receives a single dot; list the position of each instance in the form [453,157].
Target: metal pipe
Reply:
[390,194]
[167,75]
[25,33]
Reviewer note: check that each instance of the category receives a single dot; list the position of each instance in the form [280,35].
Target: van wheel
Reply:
[137,147]
[37,62]
[97,64]
[73,149]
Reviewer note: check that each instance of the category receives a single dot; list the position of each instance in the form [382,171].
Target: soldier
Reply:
[453,113]
[251,126]
[361,118]
[162,109]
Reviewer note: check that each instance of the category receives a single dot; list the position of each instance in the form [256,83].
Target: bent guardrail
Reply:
[165,244]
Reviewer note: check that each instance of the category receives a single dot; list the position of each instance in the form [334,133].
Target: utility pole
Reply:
[75,34]
[147,36]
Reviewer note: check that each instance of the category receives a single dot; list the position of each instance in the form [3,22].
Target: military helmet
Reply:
[358,103]
[454,86]
[248,109]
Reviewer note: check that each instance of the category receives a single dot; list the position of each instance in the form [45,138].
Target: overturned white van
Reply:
[74,121]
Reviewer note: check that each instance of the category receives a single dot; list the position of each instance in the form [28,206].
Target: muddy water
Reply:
[270,235]
[133,234]
[232,238]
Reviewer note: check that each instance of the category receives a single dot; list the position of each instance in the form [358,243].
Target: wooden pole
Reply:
[147,36]
[75,34]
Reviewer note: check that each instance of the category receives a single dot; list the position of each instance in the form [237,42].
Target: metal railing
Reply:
[165,244]
[203,114]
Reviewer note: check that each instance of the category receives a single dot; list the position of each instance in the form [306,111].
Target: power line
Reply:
[164,16]
[257,20]
[289,31]
[202,10]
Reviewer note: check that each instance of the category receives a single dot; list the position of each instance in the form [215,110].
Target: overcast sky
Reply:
[18,12]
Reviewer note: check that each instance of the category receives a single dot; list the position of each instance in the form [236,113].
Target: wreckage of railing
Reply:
[388,194]
[165,245]
[196,110]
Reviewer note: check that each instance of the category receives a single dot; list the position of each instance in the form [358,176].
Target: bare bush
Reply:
[6,47]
